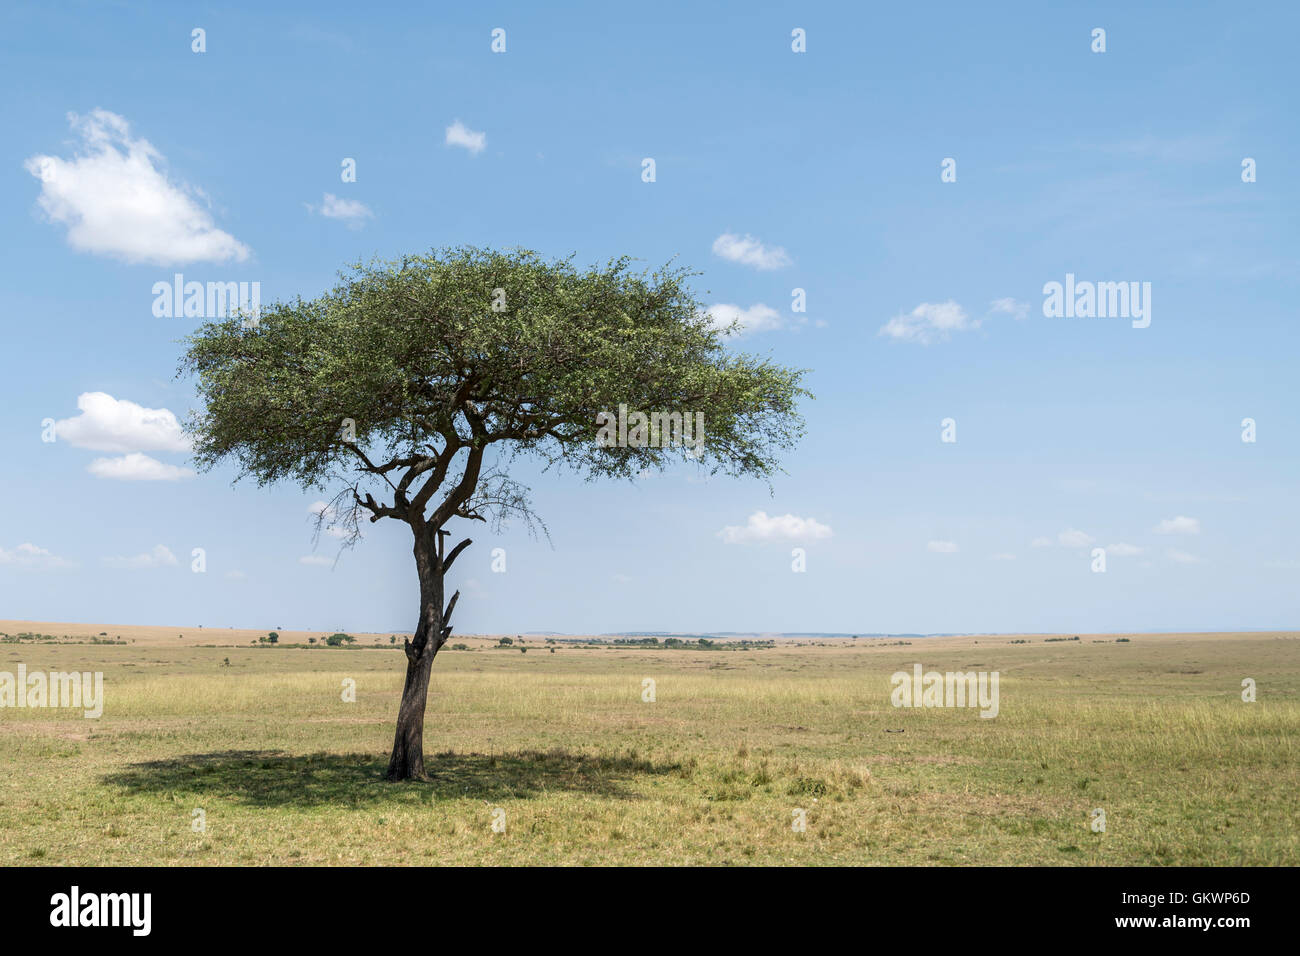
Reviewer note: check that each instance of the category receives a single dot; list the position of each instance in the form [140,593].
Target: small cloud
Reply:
[351,211]
[1002,556]
[159,557]
[749,251]
[29,557]
[116,200]
[315,560]
[137,467]
[929,323]
[458,134]
[760,527]
[116,425]
[942,547]
[1123,550]
[1073,538]
[1181,557]
[1179,525]
[1011,307]
[757,318]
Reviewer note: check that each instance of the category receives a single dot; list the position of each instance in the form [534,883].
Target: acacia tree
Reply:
[414,383]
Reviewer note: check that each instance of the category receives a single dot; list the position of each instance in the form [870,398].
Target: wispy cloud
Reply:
[1123,550]
[929,323]
[137,467]
[29,557]
[1179,525]
[159,557]
[749,251]
[351,211]
[757,318]
[1011,307]
[762,527]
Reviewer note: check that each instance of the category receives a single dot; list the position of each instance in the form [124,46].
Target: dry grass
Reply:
[1153,731]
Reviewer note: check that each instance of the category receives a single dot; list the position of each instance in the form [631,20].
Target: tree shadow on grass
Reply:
[272,778]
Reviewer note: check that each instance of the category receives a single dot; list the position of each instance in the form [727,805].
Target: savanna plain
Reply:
[216,750]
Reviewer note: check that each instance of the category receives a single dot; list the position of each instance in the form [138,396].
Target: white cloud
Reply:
[1123,550]
[116,200]
[760,527]
[29,557]
[942,547]
[159,557]
[458,134]
[137,467]
[351,211]
[1182,557]
[757,318]
[1179,525]
[1073,538]
[929,323]
[314,559]
[116,425]
[749,251]
[1011,307]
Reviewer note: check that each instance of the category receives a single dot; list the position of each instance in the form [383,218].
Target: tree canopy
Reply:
[383,381]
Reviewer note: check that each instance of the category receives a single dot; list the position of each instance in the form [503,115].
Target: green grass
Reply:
[1152,731]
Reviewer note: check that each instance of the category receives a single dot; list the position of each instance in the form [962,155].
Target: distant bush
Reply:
[339,639]
[504,642]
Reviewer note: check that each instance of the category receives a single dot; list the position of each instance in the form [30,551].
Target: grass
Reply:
[1153,731]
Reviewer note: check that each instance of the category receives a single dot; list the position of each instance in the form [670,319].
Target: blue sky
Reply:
[775,170]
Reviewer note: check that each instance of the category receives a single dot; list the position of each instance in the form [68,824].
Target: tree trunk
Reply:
[407,760]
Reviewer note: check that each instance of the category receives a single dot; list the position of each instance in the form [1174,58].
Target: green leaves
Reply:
[408,367]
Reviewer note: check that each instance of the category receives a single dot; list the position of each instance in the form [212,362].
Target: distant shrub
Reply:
[504,642]
[808,786]
[339,639]
[273,638]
